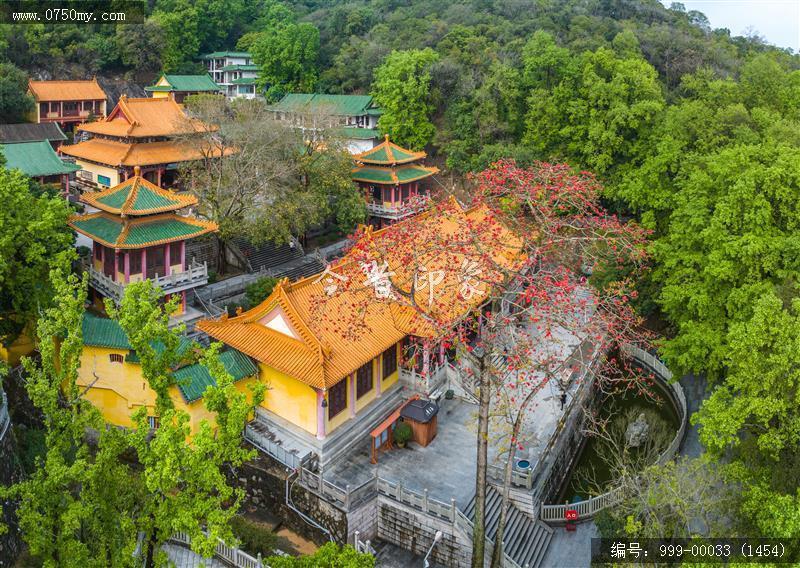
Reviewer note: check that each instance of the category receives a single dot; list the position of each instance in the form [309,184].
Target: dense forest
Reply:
[693,132]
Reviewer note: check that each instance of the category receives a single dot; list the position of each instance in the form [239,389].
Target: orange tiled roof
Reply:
[44,91]
[114,153]
[145,118]
[321,354]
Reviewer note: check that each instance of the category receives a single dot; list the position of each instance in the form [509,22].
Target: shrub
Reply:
[402,433]
[258,291]
[255,538]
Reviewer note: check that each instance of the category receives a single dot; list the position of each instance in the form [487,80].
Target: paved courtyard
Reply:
[446,467]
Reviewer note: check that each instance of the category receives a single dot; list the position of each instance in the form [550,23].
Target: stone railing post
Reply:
[347,496]
[425,499]
[452,509]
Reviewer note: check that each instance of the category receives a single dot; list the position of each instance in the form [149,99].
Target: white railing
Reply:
[5,419]
[263,443]
[396,211]
[231,554]
[590,507]
[324,488]
[586,509]
[195,275]
[518,477]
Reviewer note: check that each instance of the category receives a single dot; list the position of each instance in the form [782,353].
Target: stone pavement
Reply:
[571,549]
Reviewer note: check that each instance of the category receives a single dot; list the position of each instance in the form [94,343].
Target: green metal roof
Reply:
[103,332]
[336,105]
[240,67]
[359,133]
[35,159]
[146,199]
[244,81]
[193,380]
[221,54]
[187,83]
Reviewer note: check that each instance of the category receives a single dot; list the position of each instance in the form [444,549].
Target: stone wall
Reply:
[414,531]
[204,250]
[264,482]
[364,520]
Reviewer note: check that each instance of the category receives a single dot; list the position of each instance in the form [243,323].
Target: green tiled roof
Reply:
[359,133]
[103,332]
[35,159]
[240,67]
[103,228]
[221,54]
[193,380]
[137,197]
[161,230]
[187,83]
[244,81]
[142,231]
[336,105]
[147,199]
[391,176]
[379,154]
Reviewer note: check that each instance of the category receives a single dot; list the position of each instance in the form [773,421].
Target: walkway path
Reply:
[182,557]
[695,387]
[571,549]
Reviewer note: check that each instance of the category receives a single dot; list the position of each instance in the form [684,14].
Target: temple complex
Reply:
[393,181]
[67,102]
[138,132]
[138,234]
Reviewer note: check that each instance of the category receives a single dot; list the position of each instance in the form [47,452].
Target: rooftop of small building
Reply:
[31,132]
[224,54]
[333,105]
[35,159]
[44,91]
[188,83]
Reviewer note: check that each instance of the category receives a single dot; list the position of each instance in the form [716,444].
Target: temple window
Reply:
[115,358]
[337,398]
[364,380]
[175,253]
[135,261]
[389,359]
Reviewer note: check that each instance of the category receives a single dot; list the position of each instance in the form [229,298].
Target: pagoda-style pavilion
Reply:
[138,132]
[391,178]
[136,235]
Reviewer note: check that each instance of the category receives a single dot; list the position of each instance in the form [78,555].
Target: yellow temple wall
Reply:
[121,389]
[97,169]
[22,346]
[290,399]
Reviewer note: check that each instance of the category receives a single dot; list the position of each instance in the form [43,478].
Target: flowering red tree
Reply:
[502,283]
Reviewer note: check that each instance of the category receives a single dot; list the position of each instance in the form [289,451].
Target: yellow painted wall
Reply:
[19,348]
[332,423]
[290,399]
[160,94]
[369,396]
[121,389]
[387,382]
[96,169]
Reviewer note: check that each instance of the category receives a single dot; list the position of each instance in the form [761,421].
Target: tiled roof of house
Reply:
[388,153]
[334,105]
[144,118]
[244,81]
[359,133]
[114,153]
[186,83]
[35,159]
[31,132]
[392,175]
[44,91]
[193,380]
[139,232]
[308,345]
[223,54]
[103,332]
[137,196]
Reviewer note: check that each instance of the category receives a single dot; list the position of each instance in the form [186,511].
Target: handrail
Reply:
[588,508]
[233,555]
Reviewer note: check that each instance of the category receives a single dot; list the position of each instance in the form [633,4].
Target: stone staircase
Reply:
[267,255]
[526,538]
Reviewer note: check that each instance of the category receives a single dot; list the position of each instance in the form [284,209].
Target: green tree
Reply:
[15,103]
[402,90]
[74,507]
[331,555]
[184,476]
[286,53]
[258,291]
[181,37]
[34,238]
[141,46]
